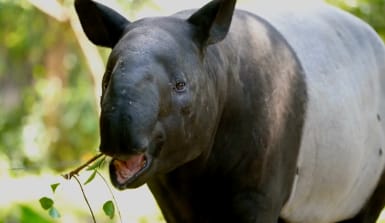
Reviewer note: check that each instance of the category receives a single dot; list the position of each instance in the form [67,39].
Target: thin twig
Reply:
[85,198]
[112,195]
[76,171]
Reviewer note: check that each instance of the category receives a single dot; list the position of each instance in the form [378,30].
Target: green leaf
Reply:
[46,203]
[96,164]
[54,187]
[109,209]
[28,213]
[53,212]
[90,178]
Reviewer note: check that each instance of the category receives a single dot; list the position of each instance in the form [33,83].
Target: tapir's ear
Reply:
[213,21]
[102,25]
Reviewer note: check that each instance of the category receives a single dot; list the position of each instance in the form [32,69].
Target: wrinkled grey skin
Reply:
[214,101]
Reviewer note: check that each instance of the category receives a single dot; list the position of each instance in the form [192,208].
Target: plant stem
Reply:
[112,195]
[76,171]
[85,198]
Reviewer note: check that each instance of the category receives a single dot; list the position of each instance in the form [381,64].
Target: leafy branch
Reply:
[93,164]
[76,171]
[109,208]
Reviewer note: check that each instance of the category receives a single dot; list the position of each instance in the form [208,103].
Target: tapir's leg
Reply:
[264,203]
[251,207]
[372,209]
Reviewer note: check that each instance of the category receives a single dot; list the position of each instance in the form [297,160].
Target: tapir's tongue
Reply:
[125,169]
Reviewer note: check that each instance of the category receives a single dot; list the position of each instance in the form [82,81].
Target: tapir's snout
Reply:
[133,142]
[122,134]
[129,114]
[117,135]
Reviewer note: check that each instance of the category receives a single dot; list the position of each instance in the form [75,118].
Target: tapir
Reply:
[229,116]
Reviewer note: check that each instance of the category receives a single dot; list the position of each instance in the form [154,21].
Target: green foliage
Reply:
[54,187]
[53,212]
[46,92]
[46,203]
[371,11]
[109,209]
[93,164]
[91,177]
[97,164]
[26,214]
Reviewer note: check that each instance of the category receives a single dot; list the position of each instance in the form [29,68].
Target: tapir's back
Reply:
[341,157]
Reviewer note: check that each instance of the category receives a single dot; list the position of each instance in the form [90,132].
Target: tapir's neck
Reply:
[222,65]
[258,101]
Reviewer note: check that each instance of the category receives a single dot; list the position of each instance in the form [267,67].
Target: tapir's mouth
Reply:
[125,173]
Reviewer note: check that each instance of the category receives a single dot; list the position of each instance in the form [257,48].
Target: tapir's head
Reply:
[158,106]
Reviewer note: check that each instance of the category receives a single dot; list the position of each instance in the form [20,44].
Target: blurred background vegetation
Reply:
[49,91]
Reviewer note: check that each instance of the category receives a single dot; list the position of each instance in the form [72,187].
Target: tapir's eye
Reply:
[180,86]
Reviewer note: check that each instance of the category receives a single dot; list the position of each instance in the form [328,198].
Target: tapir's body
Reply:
[267,119]
[341,156]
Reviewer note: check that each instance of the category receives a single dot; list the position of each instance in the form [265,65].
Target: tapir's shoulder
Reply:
[318,29]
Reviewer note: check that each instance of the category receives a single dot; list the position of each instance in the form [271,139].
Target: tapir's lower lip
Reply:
[130,172]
